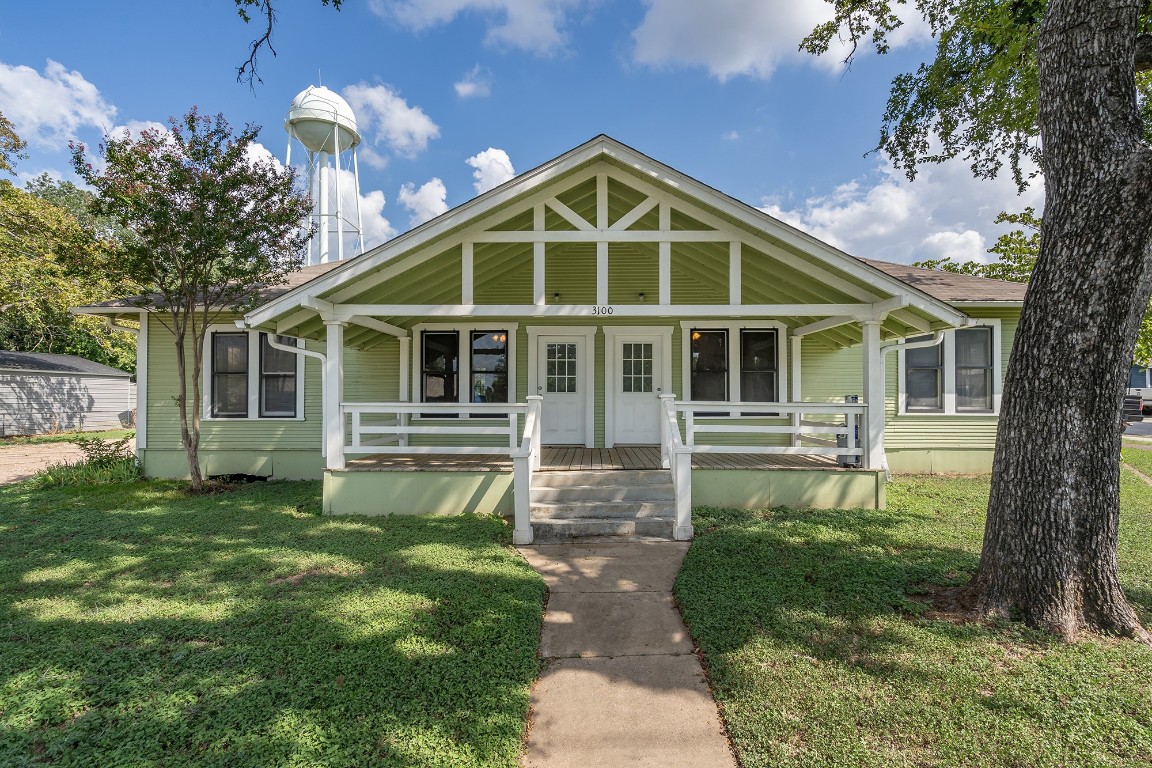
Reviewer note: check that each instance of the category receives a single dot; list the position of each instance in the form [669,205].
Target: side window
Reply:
[924,377]
[229,375]
[489,367]
[974,369]
[277,379]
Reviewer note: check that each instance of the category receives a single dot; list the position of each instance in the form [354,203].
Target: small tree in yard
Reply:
[206,227]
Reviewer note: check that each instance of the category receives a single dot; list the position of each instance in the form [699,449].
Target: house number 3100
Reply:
[601,310]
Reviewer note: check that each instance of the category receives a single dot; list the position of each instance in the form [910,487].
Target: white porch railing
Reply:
[823,435]
[391,435]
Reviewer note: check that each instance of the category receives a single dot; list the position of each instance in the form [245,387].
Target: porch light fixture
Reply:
[556,298]
[640,296]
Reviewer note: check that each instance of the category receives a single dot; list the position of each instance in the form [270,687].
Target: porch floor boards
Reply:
[566,459]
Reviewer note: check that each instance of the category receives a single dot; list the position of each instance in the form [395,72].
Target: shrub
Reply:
[104,462]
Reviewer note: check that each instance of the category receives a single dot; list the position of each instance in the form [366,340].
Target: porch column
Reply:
[405,375]
[795,358]
[873,426]
[334,393]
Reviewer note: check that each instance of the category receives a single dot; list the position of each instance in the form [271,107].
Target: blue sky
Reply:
[716,90]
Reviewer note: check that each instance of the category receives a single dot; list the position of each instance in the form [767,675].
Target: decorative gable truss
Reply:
[604,230]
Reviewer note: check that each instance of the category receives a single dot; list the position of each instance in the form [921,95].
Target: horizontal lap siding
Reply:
[35,404]
[224,434]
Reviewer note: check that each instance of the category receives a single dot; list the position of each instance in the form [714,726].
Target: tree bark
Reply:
[1050,545]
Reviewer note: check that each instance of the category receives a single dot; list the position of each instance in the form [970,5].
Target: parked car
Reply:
[1140,385]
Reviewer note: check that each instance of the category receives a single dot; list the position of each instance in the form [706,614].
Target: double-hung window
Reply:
[748,371]
[248,378]
[960,375]
[463,365]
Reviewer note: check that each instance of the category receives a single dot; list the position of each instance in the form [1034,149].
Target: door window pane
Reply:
[560,361]
[636,366]
[230,375]
[709,351]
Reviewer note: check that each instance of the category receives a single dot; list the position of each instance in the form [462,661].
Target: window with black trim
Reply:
[277,379]
[489,367]
[709,371]
[759,366]
[440,365]
[229,375]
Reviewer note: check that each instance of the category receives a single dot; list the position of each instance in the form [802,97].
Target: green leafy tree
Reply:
[11,145]
[39,241]
[1053,82]
[206,228]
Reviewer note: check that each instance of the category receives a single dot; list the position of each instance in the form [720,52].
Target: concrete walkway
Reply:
[622,686]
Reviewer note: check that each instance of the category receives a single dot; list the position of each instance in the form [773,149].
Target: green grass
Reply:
[818,656]
[140,626]
[1139,455]
[64,437]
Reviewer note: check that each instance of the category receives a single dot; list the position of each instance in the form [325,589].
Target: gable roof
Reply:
[953,287]
[741,217]
[40,362]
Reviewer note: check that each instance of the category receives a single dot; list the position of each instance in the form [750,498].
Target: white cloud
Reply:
[425,203]
[476,84]
[943,213]
[382,113]
[732,135]
[744,37]
[48,109]
[133,129]
[533,25]
[492,167]
[377,228]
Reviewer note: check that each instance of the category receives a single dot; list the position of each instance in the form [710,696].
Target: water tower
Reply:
[325,126]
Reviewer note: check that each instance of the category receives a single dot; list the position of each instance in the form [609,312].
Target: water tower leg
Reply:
[339,203]
[322,212]
[359,218]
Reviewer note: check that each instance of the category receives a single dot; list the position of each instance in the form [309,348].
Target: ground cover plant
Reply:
[66,437]
[820,654]
[143,626]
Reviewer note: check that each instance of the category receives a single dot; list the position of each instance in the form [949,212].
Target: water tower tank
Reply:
[318,117]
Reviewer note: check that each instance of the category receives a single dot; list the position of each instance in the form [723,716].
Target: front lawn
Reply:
[140,626]
[818,657]
[1139,455]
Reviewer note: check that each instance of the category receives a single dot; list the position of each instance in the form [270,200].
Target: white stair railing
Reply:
[526,460]
[677,457]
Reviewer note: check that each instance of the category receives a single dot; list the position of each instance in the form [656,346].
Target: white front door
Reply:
[560,380]
[638,384]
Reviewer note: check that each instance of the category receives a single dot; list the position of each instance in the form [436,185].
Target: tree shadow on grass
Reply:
[146,626]
[811,638]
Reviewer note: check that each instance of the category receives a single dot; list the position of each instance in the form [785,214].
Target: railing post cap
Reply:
[534,397]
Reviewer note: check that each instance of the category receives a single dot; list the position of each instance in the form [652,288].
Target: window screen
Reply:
[974,369]
[709,350]
[924,377]
[440,362]
[229,375]
[758,366]
[277,378]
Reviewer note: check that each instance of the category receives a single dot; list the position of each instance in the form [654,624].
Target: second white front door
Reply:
[638,385]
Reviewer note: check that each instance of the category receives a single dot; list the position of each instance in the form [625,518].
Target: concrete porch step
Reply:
[601,477]
[569,510]
[580,493]
[557,530]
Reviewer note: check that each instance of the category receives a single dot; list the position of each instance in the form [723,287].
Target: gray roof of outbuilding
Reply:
[953,287]
[65,364]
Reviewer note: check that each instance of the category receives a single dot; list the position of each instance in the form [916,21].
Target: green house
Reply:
[602,313]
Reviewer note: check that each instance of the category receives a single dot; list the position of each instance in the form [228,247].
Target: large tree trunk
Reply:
[1050,543]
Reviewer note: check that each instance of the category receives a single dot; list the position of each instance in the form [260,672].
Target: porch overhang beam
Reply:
[378,325]
[603,236]
[874,313]
[348,312]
